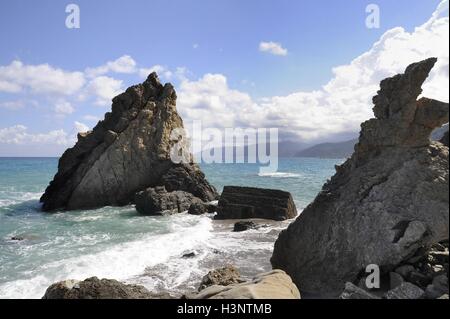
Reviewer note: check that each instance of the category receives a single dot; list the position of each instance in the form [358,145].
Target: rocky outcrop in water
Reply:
[129,151]
[225,276]
[384,204]
[248,202]
[94,288]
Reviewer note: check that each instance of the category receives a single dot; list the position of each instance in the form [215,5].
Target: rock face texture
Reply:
[385,203]
[94,288]
[125,153]
[273,285]
[225,276]
[247,202]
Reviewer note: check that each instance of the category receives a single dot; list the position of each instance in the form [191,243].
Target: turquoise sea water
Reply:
[118,243]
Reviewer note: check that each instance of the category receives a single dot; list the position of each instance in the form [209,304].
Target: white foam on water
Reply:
[121,261]
[280,175]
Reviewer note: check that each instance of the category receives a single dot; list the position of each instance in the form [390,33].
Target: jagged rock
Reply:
[157,201]
[94,288]
[273,285]
[247,202]
[200,208]
[405,270]
[405,291]
[438,288]
[353,292]
[222,277]
[17,238]
[127,152]
[384,203]
[444,139]
[244,225]
[395,280]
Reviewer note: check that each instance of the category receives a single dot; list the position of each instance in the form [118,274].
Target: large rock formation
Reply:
[248,202]
[127,152]
[386,202]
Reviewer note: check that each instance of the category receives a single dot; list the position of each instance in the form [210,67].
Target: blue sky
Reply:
[202,37]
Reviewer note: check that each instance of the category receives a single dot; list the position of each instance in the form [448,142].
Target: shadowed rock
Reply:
[125,153]
[385,203]
[248,202]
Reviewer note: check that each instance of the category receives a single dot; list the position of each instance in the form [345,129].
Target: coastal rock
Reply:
[385,203]
[225,276]
[127,152]
[405,291]
[244,225]
[200,208]
[273,285]
[157,201]
[94,288]
[395,280]
[438,288]
[354,292]
[247,202]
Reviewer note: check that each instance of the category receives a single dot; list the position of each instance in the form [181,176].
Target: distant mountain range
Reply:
[329,150]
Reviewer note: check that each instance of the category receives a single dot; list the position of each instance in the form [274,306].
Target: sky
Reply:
[309,68]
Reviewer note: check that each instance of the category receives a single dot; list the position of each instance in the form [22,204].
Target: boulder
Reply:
[247,202]
[225,276]
[157,201]
[395,280]
[94,288]
[200,208]
[438,288]
[273,285]
[352,291]
[127,152]
[405,291]
[384,203]
[244,225]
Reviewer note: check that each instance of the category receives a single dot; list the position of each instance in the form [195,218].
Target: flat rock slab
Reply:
[247,202]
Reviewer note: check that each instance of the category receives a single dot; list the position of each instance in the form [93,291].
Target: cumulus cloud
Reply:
[162,71]
[19,135]
[124,64]
[64,108]
[274,48]
[104,88]
[336,109]
[81,127]
[41,79]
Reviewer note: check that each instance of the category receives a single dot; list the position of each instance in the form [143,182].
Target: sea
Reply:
[118,243]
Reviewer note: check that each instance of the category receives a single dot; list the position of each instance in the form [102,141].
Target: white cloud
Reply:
[19,135]
[162,71]
[104,88]
[339,107]
[91,118]
[64,108]
[274,48]
[40,79]
[12,105]
[81,127]
[124,64]
[195,46]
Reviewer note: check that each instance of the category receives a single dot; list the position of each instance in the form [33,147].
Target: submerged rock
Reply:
[247,202]
[244,225]
[385,203]
[125,153]
[94,288]
[272,285]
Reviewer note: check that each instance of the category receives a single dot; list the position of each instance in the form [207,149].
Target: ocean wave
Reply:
[121,261]
[280,175]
